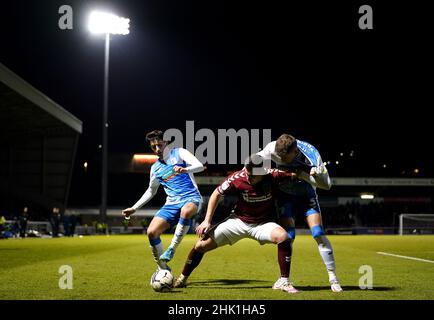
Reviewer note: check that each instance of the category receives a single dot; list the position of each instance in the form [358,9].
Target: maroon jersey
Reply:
[255,203]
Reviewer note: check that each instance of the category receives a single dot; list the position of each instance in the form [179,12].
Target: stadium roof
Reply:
[18,96]
[38,141]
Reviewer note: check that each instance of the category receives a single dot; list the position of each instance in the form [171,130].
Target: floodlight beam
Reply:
[108,23]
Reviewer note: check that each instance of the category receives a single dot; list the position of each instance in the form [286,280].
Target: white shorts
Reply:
[233,230]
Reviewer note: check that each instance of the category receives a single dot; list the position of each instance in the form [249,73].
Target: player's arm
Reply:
[212,205]
[194,165]
[148,195]
[318,176]
[321,176]
[266,152]
[281,175]
[227,187]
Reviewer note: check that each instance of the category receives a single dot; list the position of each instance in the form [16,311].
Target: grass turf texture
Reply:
[120,267]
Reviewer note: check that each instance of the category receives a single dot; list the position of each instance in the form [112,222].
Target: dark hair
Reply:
[156,134]
[254,161]
[284,144]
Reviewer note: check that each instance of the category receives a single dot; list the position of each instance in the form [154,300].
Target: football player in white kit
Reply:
[174,170]
[300,195]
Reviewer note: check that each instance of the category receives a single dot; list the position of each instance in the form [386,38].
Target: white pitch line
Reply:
[405,257]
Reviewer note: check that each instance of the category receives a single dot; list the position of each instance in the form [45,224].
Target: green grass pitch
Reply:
[120,267]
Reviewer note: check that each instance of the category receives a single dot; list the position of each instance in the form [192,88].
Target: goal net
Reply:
[413,223]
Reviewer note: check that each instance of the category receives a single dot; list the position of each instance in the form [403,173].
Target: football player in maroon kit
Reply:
[253,218]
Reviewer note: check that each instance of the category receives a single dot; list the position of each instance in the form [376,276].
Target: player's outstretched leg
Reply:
[194,258]
[284,255]
[325,250]
[187,211]
[180,231]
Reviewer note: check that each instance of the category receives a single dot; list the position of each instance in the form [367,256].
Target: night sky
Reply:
[304,69]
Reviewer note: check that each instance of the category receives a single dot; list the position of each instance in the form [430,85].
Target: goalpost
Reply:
[413,223]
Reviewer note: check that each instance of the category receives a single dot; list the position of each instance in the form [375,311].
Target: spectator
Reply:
[16,227]
[72,224]
[2,223]
[55,222]
[66,225]
[125,223]
[145,225]
[23,223]
[99,228]
[2,226]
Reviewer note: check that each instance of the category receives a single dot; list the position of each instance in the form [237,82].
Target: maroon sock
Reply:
[284,253]
[193,260]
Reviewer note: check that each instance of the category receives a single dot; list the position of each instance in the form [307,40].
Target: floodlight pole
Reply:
[103,209]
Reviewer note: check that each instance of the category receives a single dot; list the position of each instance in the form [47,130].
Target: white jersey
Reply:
[308,162]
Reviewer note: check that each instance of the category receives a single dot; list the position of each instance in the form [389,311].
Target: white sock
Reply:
[157,251]
[181,229]
[326,252]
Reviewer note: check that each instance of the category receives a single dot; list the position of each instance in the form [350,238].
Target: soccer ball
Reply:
[162,281]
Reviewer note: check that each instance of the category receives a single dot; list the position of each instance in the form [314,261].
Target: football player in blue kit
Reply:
[299,195]
[174,171]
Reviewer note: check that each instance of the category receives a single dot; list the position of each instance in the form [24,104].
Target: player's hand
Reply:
[202,228]
[127,212]
[314,171]
[179,169]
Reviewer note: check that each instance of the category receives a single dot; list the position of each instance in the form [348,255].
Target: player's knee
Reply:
[201,246]
[152,233]
[188,211]
[279,235]
[283,237]
[198,246]
[188,214]
[317,231]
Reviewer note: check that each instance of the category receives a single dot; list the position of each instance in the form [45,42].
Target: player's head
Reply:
[286,148]
[255,169]
[156,141]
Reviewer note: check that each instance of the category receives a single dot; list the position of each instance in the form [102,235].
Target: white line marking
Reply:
[405,257]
